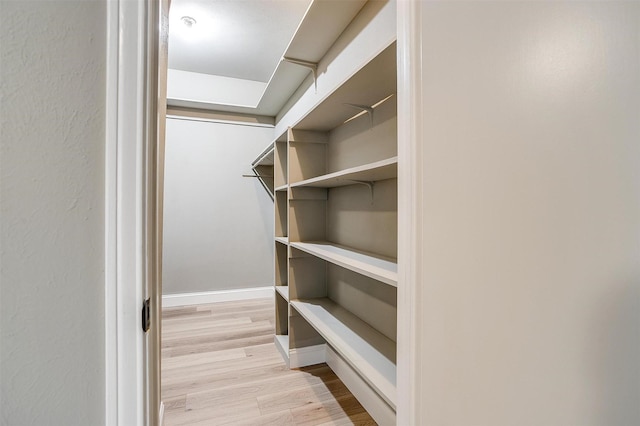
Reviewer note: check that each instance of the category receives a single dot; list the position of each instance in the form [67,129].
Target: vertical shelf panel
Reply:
[282,265]
[280,168]
[282,315]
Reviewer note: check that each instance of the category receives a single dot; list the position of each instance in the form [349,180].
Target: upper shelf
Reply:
[379,170]
[265,158]
[376,267]
[320,27]
[372,84]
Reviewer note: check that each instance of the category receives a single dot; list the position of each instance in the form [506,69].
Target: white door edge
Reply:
[409,212]
[124,214]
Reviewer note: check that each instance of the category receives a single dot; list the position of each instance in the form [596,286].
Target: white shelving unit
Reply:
[335,175]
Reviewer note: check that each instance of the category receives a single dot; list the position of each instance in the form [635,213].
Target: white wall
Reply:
[52,58]
[530,302]
[218,225]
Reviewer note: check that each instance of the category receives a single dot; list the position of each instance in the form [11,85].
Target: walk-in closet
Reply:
[281,225]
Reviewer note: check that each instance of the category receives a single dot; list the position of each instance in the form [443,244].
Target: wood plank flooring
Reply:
[220,367]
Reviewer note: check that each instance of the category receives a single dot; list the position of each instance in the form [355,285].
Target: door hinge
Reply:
[146,315]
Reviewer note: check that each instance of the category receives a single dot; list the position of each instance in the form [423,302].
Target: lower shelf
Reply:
[371,354]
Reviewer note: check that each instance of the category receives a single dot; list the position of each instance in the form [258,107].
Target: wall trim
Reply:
[194,114]
[199,298]
[308,355]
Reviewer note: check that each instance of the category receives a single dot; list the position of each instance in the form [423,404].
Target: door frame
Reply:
[137,34]
[134,139]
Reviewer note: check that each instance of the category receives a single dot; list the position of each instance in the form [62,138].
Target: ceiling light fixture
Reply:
[188,21]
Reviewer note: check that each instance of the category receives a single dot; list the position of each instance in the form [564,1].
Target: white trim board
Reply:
[198,298]
[127,382]
[381,412]
[410,210]
[308,355]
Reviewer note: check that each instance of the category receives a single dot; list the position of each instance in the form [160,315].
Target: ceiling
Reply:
[242,39]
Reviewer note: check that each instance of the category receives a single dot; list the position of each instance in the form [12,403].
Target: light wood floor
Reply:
[220,367]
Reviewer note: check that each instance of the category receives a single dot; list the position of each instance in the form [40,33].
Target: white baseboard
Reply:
[309,355]
[182,299]
[377,407]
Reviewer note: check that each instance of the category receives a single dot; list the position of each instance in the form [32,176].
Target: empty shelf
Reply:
[378,268]
[283,240]
[282,188]
[368,351]
[380,170]
[284,291]
[265,158]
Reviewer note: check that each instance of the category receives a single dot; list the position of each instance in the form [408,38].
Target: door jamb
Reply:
[132,224]
[410,210]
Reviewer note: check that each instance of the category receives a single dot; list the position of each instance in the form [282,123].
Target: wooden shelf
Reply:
[368,351]
[284,291]
[376,267]
[265,158]
[370,85]
[380,170]
[283,240]
[282,188]
[321,25]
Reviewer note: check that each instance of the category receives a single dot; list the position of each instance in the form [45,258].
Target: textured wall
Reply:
[531,182]
[218,225]
[52,192]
